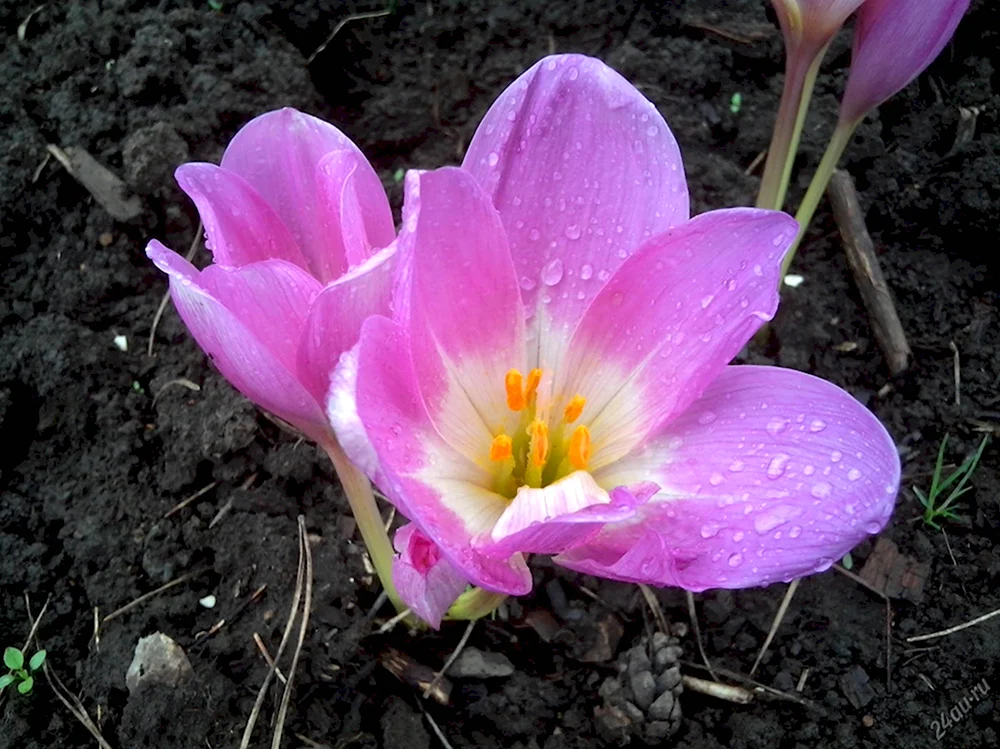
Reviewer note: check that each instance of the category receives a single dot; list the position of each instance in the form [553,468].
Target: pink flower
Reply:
[555,377]
[809,25]
[894,41]
[427,581]
[296,220]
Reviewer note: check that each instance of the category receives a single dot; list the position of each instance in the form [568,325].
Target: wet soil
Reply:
[99,443]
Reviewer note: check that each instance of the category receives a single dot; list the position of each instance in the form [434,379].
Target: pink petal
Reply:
[558,517]
[426,581]
[670,319]
[336,315]
[431,483]
[241,227]
[771,475]
[582,169]
[809,25]
[279,154]
[248,321]
[466,322]
[894,41]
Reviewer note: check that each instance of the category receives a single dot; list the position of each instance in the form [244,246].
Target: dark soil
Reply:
[99,444]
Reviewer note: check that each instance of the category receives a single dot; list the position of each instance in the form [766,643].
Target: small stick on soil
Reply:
[97,629]
[343,22]
[391,624]
[151,594]
[267,657]
[408,671]
[185,502]
[782,610]
[727,692]
[434,727]
[758,689]
[802,679]
[860,581]
[654,606]
[888,647]
[106,187]
[451,658]
[756,162]
[957,371]
[697,634]
[948,546]
[166,297]
[286,695]
[179,382]
[956,628]
[867,272]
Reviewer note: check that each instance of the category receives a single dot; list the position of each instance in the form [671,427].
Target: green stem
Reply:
[474,603]
[838,142]
[800,79]
[366,513]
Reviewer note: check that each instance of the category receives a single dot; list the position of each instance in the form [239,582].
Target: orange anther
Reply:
[534,377]
[539,445]
[515,395]
[579,448]
[574,408]
[501,448]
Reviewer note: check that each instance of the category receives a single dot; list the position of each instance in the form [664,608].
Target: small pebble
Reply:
[662,706]
[643,688]
[479,664]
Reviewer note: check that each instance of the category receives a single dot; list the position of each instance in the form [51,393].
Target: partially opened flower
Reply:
[894,41]
[555,377]
[296,220]
[809,25]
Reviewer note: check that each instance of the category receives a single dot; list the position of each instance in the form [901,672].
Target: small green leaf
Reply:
[736,103]
[13,658]
[37,660]
[6,680]
[25,686]
[848,561]
[398,175]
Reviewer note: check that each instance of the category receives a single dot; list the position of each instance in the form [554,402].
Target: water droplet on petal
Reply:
[493,158]
[777,426]
[552,273]
[572,231]
[715,479]
[574,73]
[735,560]
[534,234]
[706,418]
[873,527]
[707,300]
[758,271]
[776,468]
[821,490]
[822,564]
[586,272]
[795,531]
[709,530]
[736,466]
[738,536]
[836,456]
[817,425]
[854,474]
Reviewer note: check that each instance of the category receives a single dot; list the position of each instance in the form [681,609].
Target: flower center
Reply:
[538,453]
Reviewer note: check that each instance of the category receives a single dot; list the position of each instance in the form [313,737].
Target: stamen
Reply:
[579,448]
[534,377]
[574,408]
[501,448]
[539,446]
[515,395]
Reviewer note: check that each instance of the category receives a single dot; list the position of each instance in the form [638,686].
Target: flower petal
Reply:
[248,320]
[557,517]
[241,227]
[582,169]
[812,23]
[426,581]
[466,322]
[894,41]
[771,475]
[336,316]
[430,482]
[279,154]
[670,319]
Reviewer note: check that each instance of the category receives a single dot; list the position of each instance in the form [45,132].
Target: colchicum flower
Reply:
[554,379]
[301,236]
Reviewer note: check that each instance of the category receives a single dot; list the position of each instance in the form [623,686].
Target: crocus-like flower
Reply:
[809,25]
[300,231]
[428,581]
[894,41]
[555,380]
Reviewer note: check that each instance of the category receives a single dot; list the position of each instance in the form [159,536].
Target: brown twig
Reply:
[408,671]
[188,500]
[654,606]
[956,628]
[342,23]
[697,634]
[451,658]
[151,594]
[956,366]
[267,657]
[867,272]
[778,617]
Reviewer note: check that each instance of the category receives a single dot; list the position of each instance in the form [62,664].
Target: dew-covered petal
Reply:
[771,475]
[894,41]
[670,319]
[557,517]
[337,313]
[240,226]
[279,153]
[248,320]
[434,485]
[465,319]
[426,581]
[582,169]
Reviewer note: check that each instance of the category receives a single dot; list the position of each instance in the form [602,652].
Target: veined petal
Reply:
[894,41]
[224,308]
[426,581]
[582,169]
[557,517]
[279,154]
[771,475]
[241,227]
[670,319]
[336,315]
[465,319]
[431,483]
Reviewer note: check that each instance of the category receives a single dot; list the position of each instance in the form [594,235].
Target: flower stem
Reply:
[474,603]
[366,513]
[838,142]
[796,94]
